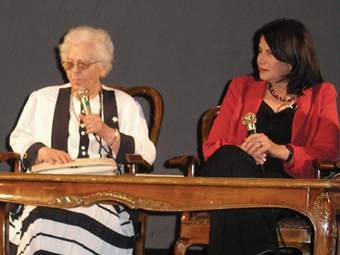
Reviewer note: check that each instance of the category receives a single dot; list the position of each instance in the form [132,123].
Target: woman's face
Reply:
[82,67]
[270,68]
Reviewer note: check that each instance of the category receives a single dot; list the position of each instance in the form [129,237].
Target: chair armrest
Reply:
[13,158]
[186,163]
[9,155]
[135,161]
[324,168]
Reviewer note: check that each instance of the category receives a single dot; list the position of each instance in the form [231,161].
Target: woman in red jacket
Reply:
[296,122]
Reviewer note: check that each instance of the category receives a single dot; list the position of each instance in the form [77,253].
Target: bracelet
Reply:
[116,136]
[290,153]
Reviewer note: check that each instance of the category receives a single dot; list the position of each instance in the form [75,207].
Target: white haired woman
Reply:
[53,128]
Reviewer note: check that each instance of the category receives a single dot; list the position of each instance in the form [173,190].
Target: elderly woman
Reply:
[54,128]
[297,122]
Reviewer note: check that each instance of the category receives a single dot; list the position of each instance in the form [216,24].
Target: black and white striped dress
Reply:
[99,229]
[49,118]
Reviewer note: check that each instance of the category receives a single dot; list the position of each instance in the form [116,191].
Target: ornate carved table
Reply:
[316,199]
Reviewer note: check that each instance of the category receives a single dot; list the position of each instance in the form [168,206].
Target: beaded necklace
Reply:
[275,95]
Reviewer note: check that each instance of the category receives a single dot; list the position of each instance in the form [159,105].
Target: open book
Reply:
[86,166]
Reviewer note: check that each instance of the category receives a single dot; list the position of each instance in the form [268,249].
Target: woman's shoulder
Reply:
[323,88]
[244,78]
[50,89]
[122,97]
[118,92]
[327,86]
[244,82]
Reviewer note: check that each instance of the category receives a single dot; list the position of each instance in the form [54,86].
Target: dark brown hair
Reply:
[290,42]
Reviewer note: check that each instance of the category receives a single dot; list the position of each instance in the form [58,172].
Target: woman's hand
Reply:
[254,147]
[259,145]
[93,124]
[52,156]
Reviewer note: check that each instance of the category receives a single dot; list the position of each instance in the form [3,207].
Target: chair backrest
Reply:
[156,108]
[207,121]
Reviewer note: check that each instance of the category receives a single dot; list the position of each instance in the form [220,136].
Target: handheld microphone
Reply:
[249,120]
[83,96]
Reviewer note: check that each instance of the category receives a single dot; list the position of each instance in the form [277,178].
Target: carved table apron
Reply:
[316,199]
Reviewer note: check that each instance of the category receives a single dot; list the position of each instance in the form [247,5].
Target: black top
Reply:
[278,127]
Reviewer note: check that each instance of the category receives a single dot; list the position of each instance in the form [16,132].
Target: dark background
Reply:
[187,49]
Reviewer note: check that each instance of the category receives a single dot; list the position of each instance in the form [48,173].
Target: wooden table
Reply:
[316,199]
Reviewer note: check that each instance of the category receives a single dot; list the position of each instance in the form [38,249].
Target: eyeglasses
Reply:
[80,64]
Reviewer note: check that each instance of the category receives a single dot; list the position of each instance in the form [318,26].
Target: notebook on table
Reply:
[83,166]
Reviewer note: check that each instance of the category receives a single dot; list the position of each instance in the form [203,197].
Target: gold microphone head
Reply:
[249,120]
[83,97]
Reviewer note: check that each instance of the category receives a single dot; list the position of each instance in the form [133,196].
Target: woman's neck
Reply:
[278,92]
[280,88]
[94,91]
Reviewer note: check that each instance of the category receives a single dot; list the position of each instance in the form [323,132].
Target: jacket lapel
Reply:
[251,99]
[61,120]
[254,96]
[304,104]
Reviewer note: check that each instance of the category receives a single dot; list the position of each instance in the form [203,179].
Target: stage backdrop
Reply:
[187,49]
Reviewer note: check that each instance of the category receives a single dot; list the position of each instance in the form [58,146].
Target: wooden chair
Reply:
[134,162]
[156,110]
[194,229]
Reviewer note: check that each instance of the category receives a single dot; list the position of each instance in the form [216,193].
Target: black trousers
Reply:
[239,231]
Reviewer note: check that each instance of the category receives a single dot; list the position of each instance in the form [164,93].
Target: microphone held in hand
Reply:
[249,120]
[83,97]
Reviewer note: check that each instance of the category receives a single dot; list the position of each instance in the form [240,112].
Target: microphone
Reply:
[249,120]
[83,97]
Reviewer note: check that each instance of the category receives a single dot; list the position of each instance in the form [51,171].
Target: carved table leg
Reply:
[323,218]
[181,247]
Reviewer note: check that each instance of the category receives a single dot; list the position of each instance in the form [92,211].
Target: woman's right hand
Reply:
[52,156]
[257,145]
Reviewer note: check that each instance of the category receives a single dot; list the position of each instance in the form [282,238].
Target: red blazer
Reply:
[315,127]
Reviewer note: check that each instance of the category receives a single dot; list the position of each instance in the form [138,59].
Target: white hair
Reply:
[104,48]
